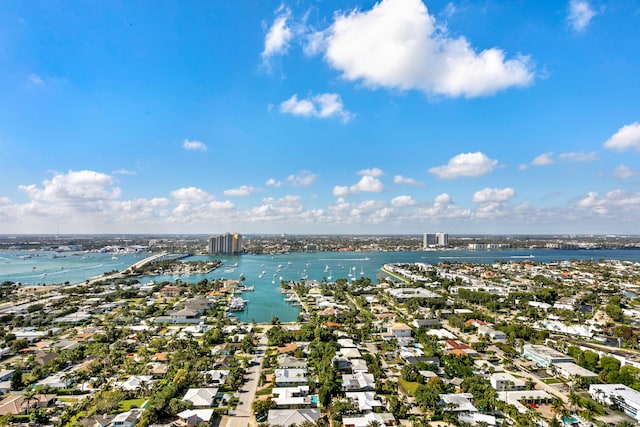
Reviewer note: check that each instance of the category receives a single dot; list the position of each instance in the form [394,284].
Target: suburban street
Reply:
[243,416]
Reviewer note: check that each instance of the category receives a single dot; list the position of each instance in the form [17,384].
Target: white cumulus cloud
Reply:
[193,145]
[398,45]
[35,80]
[580,15]
[322,106]
[579,157]
[626,138]
[493,195]
[74,186]
[615,201]
[377,172]
[272,182]
[191,195]
[402,201]
[624,172]
[278,37]
[543,159]
[399,179]
[302,179]
[465,164]
[367,184]
[242,191]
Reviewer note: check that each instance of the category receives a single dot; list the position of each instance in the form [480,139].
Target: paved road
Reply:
[243,415]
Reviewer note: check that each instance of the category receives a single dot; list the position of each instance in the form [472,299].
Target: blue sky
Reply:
[399,116]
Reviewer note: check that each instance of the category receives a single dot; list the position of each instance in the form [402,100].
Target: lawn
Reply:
[125,405]
[551,381]
[409,387]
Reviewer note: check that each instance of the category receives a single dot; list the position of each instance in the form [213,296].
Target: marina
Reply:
[260,275]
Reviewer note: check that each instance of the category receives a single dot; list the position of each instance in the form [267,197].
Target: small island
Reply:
[176,267]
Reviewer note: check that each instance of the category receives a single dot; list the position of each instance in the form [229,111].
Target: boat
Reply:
[326,268]
[236,304]
[229,270]
[114,257]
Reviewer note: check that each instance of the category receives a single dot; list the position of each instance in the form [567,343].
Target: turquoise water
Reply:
[265,272]
[48,267]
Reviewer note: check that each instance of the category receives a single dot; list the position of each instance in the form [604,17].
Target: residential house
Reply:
[136,382]
[621,395]
[287,361]
[194,417]
[127,419]
[570,370]
[399,330]
[383,419]
[427,323]
[43,358]
[460,402]
[358,382]
[285,397]
[290,377]
[217,376]
[17,404]
[504,381]
[288,417]
[544,356]
[171,291]
[364,400]
[493,334]
[97,421]
[200,397]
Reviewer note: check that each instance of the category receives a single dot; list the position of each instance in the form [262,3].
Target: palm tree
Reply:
[574,400]
[557,405]
[29,396]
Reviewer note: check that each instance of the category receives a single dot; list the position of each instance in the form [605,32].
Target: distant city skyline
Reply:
[358,117]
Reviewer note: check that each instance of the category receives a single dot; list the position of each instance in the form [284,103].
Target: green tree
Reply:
[17,382]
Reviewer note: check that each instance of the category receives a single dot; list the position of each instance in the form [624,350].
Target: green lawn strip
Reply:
[125,405]
[409,387]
